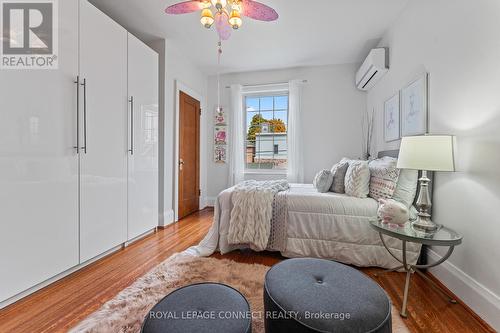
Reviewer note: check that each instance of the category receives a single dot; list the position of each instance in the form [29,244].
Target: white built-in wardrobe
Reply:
[78,151]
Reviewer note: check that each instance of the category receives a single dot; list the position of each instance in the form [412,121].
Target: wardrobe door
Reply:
[143,138]
[103,177]
[39,166]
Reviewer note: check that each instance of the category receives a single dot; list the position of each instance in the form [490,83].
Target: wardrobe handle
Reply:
[131,101]
[84,84]
[77,147]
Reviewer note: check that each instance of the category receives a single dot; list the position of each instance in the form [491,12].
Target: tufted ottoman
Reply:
[314,295]
[204,307]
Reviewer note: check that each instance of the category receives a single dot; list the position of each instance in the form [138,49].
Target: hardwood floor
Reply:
[63,304]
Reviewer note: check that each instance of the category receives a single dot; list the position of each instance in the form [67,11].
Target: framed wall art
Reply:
[220,154]
[391,119]
[414,107]
[220,117]
[221,135]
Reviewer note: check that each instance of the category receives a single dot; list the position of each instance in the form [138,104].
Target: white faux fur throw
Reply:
[253,211]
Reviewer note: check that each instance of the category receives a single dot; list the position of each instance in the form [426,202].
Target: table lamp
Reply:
[426,153]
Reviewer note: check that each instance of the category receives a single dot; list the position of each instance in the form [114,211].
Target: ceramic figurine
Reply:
[393,212]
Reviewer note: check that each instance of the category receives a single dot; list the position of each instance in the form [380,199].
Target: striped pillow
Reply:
[384,177]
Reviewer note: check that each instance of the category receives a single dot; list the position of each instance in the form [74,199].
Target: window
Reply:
[266,132]
[150,125]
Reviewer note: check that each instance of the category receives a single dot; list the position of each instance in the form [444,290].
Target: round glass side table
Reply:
[443,237]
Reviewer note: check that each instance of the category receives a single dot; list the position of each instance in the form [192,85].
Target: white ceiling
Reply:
[326,32]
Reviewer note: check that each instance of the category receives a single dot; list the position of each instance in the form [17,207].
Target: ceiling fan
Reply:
[227,13]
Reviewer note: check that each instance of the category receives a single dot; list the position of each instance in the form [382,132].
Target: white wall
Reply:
[174,67]
[457,42]
[332,110]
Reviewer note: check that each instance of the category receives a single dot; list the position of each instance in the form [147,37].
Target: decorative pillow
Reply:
[338,171]
[406,188]
[357,179]
[323,181]
[384,176]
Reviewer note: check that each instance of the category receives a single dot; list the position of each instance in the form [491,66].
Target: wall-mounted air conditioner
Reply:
[374,67]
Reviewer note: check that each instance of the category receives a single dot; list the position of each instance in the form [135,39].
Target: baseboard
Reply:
[480,299]
[45,283]
[70,271]
[168,218]
[203,203]
[141,236]
[210,201]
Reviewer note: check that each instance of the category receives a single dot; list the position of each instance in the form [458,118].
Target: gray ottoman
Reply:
[314,295]
[205,307]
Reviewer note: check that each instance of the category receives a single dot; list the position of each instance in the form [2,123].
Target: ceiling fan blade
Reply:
[258,11]
[184,7]
[222,25]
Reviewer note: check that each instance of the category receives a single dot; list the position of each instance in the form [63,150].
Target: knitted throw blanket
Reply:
[252,213]
[279,225]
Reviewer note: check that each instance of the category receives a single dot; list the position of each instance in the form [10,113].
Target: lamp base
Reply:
[425,224]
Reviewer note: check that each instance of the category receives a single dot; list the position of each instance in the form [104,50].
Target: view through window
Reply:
[266,132]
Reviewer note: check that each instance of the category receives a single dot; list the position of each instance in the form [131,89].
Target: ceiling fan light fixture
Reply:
[219,4]
[235,20]
[207,18]
[235,5]
[225,15]
[206,4]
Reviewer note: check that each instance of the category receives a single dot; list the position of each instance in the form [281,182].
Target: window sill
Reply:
[265,172]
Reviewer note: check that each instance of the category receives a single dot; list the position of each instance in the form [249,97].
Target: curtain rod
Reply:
[264,85]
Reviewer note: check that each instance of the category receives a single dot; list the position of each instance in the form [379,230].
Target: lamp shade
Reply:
[428,152]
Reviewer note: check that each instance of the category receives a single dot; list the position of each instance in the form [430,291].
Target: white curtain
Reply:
[295,172]
[237,139]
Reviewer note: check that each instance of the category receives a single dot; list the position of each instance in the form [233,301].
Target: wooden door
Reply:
[189,155]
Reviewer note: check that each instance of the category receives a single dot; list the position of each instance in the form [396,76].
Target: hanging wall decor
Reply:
[220,118]
[220,154]
[220,136]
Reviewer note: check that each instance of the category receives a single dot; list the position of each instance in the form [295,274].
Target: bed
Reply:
[320,225]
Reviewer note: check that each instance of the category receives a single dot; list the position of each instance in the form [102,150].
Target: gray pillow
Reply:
[323,181]
[338,171]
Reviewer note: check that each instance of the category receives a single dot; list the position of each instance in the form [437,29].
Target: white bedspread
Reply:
[321,225]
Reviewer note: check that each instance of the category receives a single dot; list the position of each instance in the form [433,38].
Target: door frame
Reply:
[181,87]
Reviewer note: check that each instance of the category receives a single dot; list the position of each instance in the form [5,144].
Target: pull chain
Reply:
[219,55]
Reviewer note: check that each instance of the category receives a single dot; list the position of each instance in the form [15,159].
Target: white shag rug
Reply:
[126,311]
